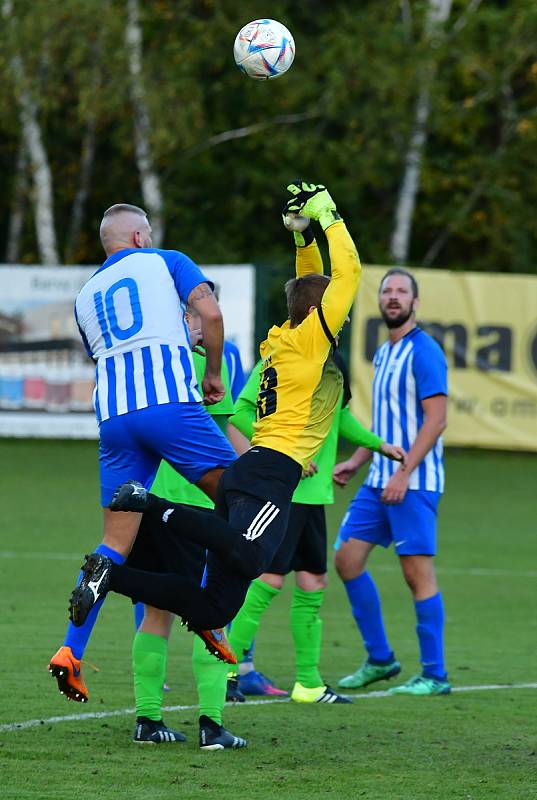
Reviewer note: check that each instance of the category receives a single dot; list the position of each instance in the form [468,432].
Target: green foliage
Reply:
[342,116]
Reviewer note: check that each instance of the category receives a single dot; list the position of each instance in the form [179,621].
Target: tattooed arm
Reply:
[202,299]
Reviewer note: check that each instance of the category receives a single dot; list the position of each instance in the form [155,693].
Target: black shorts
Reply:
[158,549]
[254,496]
[304,544]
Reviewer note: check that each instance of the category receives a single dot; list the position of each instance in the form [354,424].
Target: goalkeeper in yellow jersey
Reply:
[299,394]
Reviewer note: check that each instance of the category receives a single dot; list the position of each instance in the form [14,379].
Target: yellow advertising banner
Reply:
[487,326]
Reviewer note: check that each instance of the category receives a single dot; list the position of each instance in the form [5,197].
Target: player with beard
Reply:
[398,502]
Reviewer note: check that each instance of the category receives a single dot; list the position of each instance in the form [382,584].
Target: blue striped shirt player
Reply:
[406,373]
[398,503]
[148,405]
[130,316]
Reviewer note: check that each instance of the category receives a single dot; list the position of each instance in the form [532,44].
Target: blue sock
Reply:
[430,630]
[365,603]
[139,611]
[77,638]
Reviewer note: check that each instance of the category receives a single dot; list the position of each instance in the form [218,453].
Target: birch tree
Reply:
[437,14]
[150,182]
[33,143]
[18,207]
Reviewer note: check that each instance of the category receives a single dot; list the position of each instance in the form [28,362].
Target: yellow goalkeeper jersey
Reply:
[300,385]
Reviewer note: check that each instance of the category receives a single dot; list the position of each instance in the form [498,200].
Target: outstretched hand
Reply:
[393,452]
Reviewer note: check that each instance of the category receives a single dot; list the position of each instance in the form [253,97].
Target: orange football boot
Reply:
[68,672]
[216,642]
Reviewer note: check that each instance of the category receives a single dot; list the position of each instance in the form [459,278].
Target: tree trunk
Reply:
[37,154]
[18,207]
[150,182]
[437,15]
[86,167]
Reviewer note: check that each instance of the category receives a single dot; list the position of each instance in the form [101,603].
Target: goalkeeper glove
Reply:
[312,200]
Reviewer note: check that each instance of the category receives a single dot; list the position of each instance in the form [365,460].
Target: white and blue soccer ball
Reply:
[264,49]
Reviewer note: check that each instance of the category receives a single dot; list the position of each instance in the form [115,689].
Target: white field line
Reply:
[34,723]
[477,572]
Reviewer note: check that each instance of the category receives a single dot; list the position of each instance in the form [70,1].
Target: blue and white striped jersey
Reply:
[406,373]
[131,317]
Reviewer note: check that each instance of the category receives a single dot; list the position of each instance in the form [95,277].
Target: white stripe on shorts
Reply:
[261,520]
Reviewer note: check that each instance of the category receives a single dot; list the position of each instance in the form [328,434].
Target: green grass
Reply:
[471,745]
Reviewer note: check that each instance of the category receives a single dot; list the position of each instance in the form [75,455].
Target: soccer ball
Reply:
[264,49]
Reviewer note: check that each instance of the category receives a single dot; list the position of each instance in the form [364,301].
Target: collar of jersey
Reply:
[117,257]
[416,329]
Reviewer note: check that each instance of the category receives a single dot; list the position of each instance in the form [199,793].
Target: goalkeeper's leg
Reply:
[201,608]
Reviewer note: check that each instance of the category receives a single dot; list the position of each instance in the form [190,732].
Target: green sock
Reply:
[149,659]
[307,628]
[211,681]
[244,626]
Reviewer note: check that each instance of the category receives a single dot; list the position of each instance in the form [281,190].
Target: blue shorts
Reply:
[132,445]
[410,525]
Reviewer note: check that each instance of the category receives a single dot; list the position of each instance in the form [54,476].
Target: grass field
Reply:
[470,745]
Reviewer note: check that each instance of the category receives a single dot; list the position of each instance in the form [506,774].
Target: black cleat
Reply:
[233,693]
[329,696]
[215,737]
[92,587]
[148,731]
[130,496]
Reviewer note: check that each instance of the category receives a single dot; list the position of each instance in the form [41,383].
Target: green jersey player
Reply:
[156,550]
[303,551]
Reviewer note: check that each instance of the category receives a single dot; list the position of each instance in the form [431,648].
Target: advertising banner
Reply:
[46,378]
[487,326]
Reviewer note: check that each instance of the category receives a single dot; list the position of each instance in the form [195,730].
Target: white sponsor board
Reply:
[46,380]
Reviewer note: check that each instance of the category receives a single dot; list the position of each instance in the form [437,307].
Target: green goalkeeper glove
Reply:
[312,200]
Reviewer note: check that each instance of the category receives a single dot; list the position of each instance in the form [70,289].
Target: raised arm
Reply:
[202,299]
[308,260]
[313,201]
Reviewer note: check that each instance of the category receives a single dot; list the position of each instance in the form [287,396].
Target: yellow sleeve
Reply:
[309,260]
[346,271]
[309,336]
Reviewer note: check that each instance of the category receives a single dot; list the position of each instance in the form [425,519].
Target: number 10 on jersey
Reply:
[107,313]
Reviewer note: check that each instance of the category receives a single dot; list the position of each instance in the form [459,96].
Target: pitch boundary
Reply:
[34,723]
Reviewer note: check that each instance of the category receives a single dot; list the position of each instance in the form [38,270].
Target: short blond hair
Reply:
[120,208]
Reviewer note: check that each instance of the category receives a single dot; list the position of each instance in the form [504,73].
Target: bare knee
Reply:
[272,579]
[157,621]
[208,483]
[420,576]
[351,558]
[310,582]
